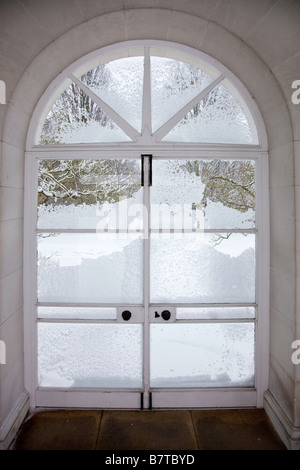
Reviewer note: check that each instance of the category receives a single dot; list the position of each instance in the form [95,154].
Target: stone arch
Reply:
[219,43]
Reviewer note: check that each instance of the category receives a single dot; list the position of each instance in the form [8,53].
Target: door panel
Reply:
[202,355]
[90,267]
[90,355]
[202,271]
[89,194]
[203,194]
[193,268]
[90,281]
[146,282]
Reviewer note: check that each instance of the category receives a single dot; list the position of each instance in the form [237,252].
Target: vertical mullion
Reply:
[146,284]
[146,129]
[257,333]
[30,277]
[146,111]
[262,278]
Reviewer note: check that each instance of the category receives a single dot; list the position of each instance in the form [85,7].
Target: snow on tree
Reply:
[65,182]
[227,181]
[73,106]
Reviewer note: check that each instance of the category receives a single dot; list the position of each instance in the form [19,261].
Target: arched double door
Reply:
[145,188]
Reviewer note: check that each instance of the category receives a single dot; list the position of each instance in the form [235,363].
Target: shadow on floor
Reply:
[148,430]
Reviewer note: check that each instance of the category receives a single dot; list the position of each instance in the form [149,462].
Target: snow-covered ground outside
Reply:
[184,268]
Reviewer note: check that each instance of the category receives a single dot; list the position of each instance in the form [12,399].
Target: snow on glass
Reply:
[82,194]
[120,84]
[218,118]
[201,272]
[173,84]
[187,195]
[203,194]
[76,118]
[90,268]
[208,267]
[84,355]
[202,355]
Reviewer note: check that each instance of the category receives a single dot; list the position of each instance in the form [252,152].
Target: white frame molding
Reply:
[146,143]
[85,63]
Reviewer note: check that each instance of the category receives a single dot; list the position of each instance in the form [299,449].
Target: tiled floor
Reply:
[148,430]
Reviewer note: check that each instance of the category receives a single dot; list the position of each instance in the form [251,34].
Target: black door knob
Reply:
[166,315]
[126,315]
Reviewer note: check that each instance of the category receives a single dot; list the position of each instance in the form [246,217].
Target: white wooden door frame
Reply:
[145,143]
[148,397]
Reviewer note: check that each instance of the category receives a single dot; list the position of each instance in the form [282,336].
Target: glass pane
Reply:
[75,118]
[173,85]
[100,268]
[78,313]
[218,118]
[95,194]
[202,355]
[120,84]
[203,194]
[89,355]
[202,268]
[203,313]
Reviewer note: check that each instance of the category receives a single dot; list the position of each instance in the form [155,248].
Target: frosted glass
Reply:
[89,355]
[75,118]
[90,267]
[202,268]
[89,194]
[202,355]
[120,84]
[203,313]
[173,85]
[203,194]
[78,313]
[218,118]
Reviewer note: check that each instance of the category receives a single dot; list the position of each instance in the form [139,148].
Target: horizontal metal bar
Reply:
[132,151]
[142,231]
[86,305]
[214,320]
[201,389]
[205,230]
[83,231]
[154,305]
[112,391]
[121,321]
[204,305]
[78,320]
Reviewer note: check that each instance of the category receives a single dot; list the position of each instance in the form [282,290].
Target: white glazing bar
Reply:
[201,305]
[173,151]
[30,278]
[87,304]
[77,320]
[153,230]
[262,277]
[124,125]
[168,126]
[146,225]
[146,112]
[205,230]
[88,230]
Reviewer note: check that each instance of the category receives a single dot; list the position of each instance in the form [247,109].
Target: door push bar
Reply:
[149,157]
